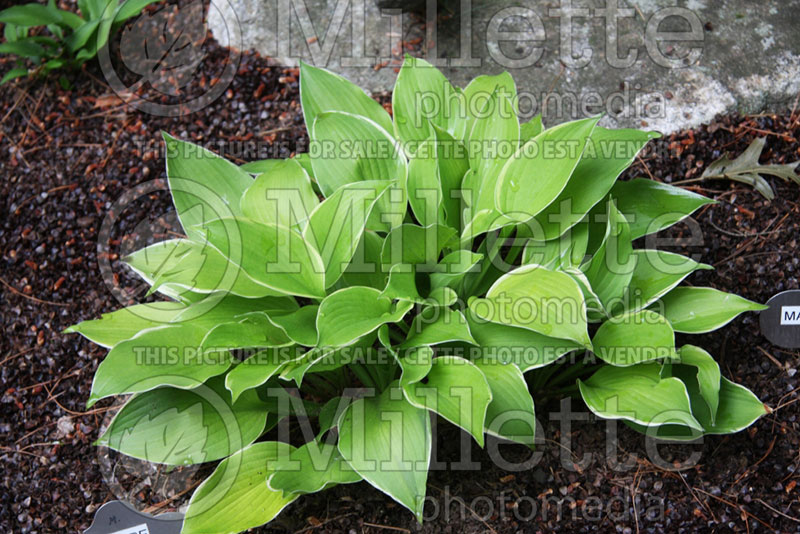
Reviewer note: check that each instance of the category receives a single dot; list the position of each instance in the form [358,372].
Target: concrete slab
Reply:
[660,64]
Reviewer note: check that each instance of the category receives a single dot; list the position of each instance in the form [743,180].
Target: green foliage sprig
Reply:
[447,259]
[70,40]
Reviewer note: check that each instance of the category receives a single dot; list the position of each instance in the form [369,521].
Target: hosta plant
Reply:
[444,259]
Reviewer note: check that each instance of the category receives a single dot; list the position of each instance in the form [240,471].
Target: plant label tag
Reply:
[780,324]
[119,517]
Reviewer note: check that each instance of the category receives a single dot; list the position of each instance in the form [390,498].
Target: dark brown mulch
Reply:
[67,156]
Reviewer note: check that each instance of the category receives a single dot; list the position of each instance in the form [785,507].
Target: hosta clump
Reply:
[445,259]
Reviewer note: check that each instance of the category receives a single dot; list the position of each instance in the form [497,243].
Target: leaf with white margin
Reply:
[274,256]
[257,370]
[353,312]
[435,325]
[337,224]
[651,206]
[656,273]
[388,442]
[638,394]
[608,153]
[322,90]
[535,176]
[455,389]
[282,195]
[346,148]
[708,375]
[195,267]
[204,186]
[310,468]
[554,303]
[122,324]
[236,496]
[183,427]
[511,344]
[511,413]
[612,266]
[697,310]
[634,338]
[423,97]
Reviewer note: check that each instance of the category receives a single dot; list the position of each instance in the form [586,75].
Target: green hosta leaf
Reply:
[236,496]
[453,164]
[454,267]
[455,389]
[402,284]
[365,267]
[638,394]
[424,184]
[493,140]
[697,310]
[257,370]
[707,375]
[532,297]
[178,267]
[336,226]
[434,325]
[174,354]
[423,97]
[595,311]
[510,414]
[281,195]
[204,186]
[415,245]
[737,407]
[612,267]
[169,355]
[181,427]
[565,251]
[479,92]
[651,206]
[522,347]
[350,313]
[347,148]
[657,272]
[321,90]
[299,325]
[111,328]
[541,169]
[607,154]
[634,338]
[388,442]
[530,129]
[272,255]
[434,179]
[311,468]
[251,330]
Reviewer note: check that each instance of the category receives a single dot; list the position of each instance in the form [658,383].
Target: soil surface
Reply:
[68,155]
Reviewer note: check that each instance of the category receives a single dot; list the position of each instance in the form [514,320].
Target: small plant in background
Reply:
[447,259]
[53,38]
